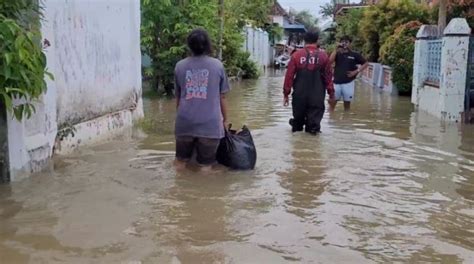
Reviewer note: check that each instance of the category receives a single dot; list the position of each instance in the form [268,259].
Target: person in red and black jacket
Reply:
[310,75]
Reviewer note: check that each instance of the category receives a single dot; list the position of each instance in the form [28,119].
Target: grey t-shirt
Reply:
[199,83]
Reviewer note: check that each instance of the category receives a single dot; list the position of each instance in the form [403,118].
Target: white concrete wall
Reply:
[454,69]
[376,75]
[95,58]
[279,20]
[97,53]
[257,43]
[420,58]
[447,101]
[429,98]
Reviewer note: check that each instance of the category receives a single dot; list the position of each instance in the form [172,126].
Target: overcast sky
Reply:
[311,5]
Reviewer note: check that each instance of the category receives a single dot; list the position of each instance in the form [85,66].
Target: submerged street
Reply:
[381,184]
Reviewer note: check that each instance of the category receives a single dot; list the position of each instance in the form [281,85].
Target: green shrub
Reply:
[456,8]
[250,70]
[349,25]
[245,67]
[397,52]
[164,29]
[22,67]
[380,21]
[166,24]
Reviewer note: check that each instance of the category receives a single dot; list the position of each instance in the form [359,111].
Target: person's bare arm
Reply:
[332,57]
[364,66]
[224,110]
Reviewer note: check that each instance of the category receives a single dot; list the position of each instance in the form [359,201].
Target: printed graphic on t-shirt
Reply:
[196,84]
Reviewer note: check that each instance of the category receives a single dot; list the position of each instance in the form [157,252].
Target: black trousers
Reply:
[308,101]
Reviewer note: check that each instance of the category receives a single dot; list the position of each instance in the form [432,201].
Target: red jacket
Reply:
[298,61]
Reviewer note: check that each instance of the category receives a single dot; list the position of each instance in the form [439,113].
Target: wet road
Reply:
[382,184]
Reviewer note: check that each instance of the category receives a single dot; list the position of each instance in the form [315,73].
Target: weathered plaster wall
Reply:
[257,44]
[429,98]
[447,101]
[98,58]
[454,69]
[378,76]
[95,58]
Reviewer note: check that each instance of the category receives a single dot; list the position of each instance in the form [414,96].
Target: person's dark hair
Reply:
[199,42]
[346,38]
[311,37]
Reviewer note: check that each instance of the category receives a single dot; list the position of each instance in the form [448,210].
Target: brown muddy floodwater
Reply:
[382,184]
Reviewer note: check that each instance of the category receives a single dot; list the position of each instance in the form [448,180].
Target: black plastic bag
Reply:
[237,150]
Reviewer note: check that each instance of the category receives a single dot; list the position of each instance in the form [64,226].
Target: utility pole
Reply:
[221,29]
[443,6]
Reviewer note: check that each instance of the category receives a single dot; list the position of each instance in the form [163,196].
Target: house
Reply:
[342,9]
[343,6]
[293,30]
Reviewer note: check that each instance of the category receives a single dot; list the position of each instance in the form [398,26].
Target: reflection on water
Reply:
[381,184]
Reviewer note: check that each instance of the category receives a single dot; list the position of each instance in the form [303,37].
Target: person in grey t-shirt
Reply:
[200,85]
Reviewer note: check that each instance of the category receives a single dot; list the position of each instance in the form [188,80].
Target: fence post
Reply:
[425,33]
[454,69]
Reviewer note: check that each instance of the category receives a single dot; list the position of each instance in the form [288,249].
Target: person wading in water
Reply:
[310,75]
[345,72]
[201,87]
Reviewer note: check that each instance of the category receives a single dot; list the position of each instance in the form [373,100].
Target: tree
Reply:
[454,8]
[442,16]
[307,19]
[349,25]
[166,24]
[397,52]
[221,27]
[380,21]
[23,63]
[327,10]
[461,8]
[254,12]
[275,32]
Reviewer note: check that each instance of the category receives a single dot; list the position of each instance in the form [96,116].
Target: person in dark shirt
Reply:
[345,71]
[310,75]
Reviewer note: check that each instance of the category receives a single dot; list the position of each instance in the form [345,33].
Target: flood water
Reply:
[381,184]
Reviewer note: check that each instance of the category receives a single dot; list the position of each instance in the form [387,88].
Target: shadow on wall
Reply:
[4,165]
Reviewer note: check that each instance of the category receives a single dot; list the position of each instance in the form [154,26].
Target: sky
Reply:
[311,5]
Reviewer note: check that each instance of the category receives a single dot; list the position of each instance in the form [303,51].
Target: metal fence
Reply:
[257,43]
[433,66]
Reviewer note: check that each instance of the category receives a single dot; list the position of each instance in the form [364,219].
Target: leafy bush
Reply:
[349,25]
[397,52]
[249,68]
[23,63]
[166,24]
[24,12]
[330,48]
[456,8]
[275,32]
[380,21]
